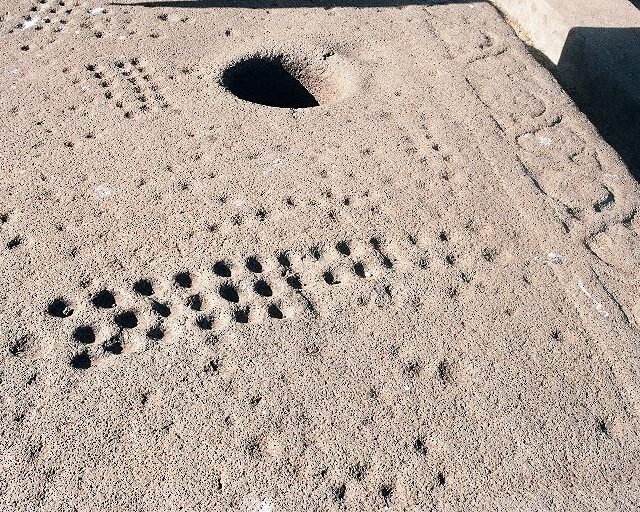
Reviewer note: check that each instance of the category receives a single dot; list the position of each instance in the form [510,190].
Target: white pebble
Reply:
[103,191]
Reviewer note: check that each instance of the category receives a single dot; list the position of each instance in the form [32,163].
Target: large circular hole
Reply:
[279,81]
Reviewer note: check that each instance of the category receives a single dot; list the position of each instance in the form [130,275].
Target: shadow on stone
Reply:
[600,69]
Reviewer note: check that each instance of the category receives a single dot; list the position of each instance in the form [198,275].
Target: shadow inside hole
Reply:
[262,288]
[419,446]
[143,287]
[204,322]
[329,278]
[315,253]
[358,269]
[104,299]
[343,248]
[14,242]
[183,279]
[284,260]
[60,308]
[126,320]
[221,269]
[160,309]
[155,333]
[81,361]
[84,334]
[113,346]
[242,315]
[228,292]
[266,80]
[254,265]
[275,312]
[339,492]
[195,302]
[294,282]
[386,491]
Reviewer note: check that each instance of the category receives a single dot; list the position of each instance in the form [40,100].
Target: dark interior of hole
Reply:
[161,309]
[267,82]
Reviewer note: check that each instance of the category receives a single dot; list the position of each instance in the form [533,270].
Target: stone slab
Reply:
[450,245]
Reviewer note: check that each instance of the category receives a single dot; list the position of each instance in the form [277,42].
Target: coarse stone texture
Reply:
[421,294]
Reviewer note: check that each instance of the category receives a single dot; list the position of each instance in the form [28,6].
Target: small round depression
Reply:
[279,81]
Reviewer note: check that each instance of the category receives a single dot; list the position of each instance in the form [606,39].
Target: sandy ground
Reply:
[420,295]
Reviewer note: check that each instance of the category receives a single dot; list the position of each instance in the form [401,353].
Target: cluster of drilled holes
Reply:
[144,287]
[358,268]
[261,287]
[99,76]
[46,10]
[358,472]
[226,290]
[261,213]
[61,308]
[104,299]
[377,246]
[387,490]
[137,81]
